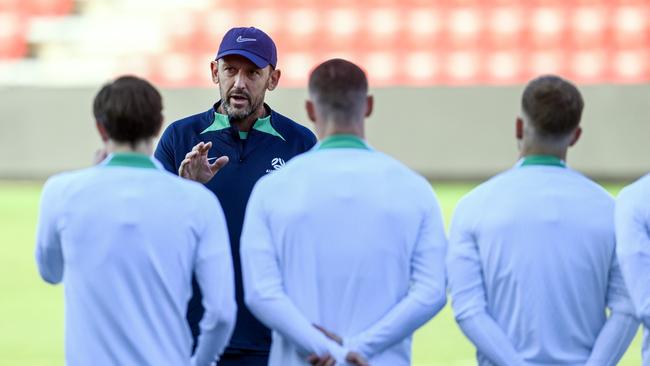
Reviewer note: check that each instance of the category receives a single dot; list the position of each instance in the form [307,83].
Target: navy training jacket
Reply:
[270,143]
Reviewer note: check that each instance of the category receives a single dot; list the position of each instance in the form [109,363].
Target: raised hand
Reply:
[196,166]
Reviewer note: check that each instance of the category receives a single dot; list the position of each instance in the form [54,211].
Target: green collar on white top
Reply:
[547,160]
[131,160]
[343,141]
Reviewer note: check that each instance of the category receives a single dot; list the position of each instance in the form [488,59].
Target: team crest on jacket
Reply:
[276,164]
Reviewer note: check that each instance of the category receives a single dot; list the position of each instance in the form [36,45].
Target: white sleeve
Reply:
[264,291]
[426,295]
[214,274]
[633,251]
[613,340]
[489,339]
[467,291]
[49,255]
[620,328]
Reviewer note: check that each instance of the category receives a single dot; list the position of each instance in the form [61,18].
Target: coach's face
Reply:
[242,84]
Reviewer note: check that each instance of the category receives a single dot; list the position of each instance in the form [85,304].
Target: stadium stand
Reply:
[405,43]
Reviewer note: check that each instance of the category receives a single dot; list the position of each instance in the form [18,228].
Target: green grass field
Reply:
[31,312]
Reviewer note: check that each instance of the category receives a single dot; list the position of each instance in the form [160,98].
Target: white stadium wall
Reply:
[442,132]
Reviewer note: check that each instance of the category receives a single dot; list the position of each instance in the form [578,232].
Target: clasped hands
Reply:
[352,358]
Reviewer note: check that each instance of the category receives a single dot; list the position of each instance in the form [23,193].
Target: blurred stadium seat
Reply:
[411,42]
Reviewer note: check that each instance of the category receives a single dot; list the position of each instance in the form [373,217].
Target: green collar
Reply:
[343,142]
[222,122]
[132,160]
[548,160]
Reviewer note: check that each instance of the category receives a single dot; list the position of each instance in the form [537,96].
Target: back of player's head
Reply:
[339,89]
[129,109]
[552,105]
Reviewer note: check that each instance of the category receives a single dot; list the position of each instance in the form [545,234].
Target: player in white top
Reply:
[633,250]
[532,264]
[125,237]
[343,238]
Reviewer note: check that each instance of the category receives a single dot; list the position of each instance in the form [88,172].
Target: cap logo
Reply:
[241,39]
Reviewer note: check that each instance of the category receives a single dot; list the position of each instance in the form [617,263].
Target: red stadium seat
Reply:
[13,44]
[411,42]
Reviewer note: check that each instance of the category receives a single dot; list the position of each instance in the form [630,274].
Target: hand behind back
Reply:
[352,358]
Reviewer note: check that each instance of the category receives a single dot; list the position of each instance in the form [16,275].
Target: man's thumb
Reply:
[219,163]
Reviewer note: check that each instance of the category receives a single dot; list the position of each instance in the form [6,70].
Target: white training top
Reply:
[125,238]
[349,239]
[633,249]
[533,248]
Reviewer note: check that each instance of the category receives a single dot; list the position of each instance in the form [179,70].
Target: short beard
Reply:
[239,114]
[236,115]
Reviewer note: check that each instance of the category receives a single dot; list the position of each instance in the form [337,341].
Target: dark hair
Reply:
[129,108]
[553,105]
[339,88]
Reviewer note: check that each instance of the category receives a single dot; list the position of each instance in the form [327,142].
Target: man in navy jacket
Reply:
[243,139]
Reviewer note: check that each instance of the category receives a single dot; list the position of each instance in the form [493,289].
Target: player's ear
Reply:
[311,112]
[214,71]
[370,103]
[576,136]
[519,128]
[102,131]
[274,79]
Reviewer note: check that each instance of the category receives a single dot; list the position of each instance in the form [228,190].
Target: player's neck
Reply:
[543,150]
[139,147]
[331,128]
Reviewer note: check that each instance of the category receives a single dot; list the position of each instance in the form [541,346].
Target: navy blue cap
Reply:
[251,43]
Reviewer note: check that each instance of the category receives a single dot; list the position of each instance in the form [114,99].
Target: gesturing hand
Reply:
[196,166]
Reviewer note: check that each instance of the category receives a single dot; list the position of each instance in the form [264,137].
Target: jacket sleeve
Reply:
[613,340]
[633,251]
[467,290]
[263,287]
[426,295]
[49,254]
[215,276]
[621,326]
[165,152]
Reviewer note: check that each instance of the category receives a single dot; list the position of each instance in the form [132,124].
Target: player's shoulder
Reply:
[277,177]
[72,176]
[494,182]
[584,188]
[639,188]
[399,169]
[489,189]
[395,174]
[290,129]
[187,187]
[58,185]
[282,179]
